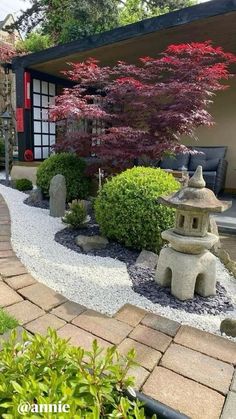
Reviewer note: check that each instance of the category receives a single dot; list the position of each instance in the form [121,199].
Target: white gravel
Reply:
[101,284]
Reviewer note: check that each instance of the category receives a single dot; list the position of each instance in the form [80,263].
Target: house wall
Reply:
[223,132]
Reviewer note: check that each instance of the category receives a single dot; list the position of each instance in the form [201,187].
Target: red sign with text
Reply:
[20,120]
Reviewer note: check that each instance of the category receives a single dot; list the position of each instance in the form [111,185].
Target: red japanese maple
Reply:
[145,108]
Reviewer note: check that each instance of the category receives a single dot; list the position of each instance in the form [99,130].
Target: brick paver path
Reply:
[188,369]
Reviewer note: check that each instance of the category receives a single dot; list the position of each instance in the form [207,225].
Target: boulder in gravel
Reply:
[88,243]
[147,259]
[57,193]
[228,326]
[36,196]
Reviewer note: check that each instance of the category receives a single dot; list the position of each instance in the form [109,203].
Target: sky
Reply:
[14,6]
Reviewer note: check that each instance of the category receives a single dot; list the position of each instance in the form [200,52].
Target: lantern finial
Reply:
[197,181]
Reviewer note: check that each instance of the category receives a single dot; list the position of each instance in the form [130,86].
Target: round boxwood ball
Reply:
[126,208]
[68,165]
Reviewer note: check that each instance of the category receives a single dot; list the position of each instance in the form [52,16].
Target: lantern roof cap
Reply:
[195,196]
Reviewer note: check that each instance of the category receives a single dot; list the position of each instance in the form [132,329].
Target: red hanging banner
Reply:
[20,120]
[27,81]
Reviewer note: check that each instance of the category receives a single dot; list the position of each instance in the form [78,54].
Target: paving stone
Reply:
[212,345]
[5,245]
[151,337]
[105,327]
[229,411]
[8,296]
[233,384]
[167,326]
[11,267]
[147,357]
[130,314]
[180,393]
[43,296]
[139,374]
[79,337]
[199,367]
[5,230]
[68,310]
[20,281]
[6,335]
[6,254]
[42,324]
[25,311]
[5,238]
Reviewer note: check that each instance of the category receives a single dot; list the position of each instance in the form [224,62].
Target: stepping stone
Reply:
[68,311]
[233,385]
[139,374]
[5,245]
[184,395]
[42,324]
[5,238]
[79,337]
[107,328]
[151,337]
[25,311]
[199,367]
[147,259]
[130,314]
[209,344]
[88,243]
[147,357]
[8,296]
[7,254]
[42,296]
[164,325]
[20,281]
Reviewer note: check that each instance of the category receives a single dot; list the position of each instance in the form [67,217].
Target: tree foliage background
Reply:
[67,20]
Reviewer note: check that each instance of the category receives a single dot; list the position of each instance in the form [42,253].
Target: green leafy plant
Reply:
[43,370]
[76,214]
[68,165]
[23,184]
[127,209]
[6,322]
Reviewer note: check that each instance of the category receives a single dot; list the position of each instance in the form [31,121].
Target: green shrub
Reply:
[68,165]
[23,184]
[76,214]
[127,209]
[43,370]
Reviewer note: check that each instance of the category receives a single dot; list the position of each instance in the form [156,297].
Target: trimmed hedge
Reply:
[68,165]
[126,208]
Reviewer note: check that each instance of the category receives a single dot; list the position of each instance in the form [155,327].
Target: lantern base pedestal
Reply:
[186,274]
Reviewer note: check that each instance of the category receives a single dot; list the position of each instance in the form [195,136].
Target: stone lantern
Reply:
[186,265]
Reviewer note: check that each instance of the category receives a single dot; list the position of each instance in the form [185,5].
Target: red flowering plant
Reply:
[144,109]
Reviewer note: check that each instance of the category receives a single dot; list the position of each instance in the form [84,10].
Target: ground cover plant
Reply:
[68,165]
[6,322]
[127,210]
[145,109]
[23,184]
[43,370]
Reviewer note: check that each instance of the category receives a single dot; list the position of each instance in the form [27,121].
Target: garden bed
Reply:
[103,283]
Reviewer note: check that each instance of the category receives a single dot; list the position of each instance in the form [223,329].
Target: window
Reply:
[181,221]
[44,131]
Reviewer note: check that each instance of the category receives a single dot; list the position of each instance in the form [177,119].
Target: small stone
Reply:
[228,326]
[36,196]
[57,192]
[147,259]
[88,243]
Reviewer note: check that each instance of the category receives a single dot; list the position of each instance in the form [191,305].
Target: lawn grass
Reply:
[6,322]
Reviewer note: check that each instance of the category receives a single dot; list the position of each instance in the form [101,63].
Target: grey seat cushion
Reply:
[207,164]
[178,162]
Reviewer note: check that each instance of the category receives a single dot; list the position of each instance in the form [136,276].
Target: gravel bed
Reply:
[44,204]
[100,283]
